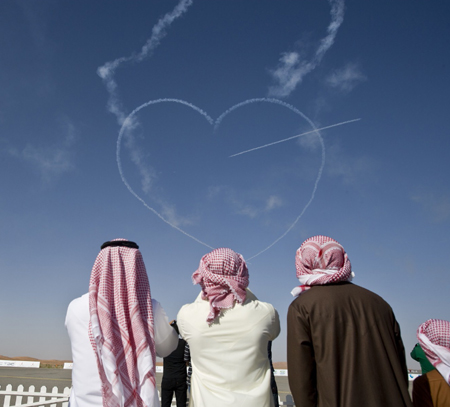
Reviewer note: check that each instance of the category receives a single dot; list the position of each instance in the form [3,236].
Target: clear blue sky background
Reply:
[383,193]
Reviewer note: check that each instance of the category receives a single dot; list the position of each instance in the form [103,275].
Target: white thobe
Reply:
[230,365]
[86,384]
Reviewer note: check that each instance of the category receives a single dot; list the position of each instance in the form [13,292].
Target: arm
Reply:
[300,360]
[166,339]
[400,350]
[421,392]
[275,328]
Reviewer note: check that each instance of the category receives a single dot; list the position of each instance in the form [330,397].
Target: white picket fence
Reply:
[23,398]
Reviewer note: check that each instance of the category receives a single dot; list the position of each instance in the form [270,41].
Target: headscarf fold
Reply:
[434,338]
[121,327]
[321,260]
[223,277]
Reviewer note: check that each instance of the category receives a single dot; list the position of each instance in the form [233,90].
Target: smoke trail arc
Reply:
[130,122]
[322,164]
[107,71]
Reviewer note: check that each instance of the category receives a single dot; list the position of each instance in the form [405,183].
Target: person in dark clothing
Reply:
[432,389]
[187,359]
[174,375]
[273,382]
[344,347]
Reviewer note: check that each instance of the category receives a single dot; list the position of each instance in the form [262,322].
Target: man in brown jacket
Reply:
[344,344]
[433,388]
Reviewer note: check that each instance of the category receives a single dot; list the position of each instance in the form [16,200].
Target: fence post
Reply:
[43,390]
[30,399]
[19,398]
[66,392]
[7,397]
[54,391]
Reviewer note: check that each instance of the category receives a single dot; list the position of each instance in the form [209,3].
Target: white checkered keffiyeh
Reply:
[434,338]
[121,328]
[321,260]
[223,276]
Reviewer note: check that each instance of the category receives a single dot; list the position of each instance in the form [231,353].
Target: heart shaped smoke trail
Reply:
[288,75]
[129,124]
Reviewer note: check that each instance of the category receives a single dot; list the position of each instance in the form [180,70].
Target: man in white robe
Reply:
[116,330]
[228,329]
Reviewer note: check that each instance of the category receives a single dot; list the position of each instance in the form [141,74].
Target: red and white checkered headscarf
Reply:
[223,276]
[321,260]
[121,328]
[434,338]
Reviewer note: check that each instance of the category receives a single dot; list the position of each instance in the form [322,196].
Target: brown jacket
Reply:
[345,350]
[431,390]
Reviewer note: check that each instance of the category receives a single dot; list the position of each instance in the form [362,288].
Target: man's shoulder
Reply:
[337,293]
[253,300]
[78,309]
[192,307]
[263,307]
[78,303]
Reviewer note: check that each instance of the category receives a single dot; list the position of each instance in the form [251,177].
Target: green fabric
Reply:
[419,355]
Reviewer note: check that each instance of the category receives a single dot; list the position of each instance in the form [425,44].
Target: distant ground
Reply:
[49,363]
[52,363]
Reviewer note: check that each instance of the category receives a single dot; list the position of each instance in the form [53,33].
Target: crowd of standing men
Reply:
[344,343]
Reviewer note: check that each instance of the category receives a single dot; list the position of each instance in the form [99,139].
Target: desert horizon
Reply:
[60,363]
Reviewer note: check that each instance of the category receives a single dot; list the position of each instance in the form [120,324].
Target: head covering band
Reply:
[321,260]
[223,277]
[121,326]
[116,243]
[434,338]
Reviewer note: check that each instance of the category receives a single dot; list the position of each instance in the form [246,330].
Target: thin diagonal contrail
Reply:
[290,138]
[130,122]
[315,131]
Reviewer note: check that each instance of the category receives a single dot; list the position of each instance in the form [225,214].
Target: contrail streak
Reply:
[290,138]
[292,69]
[292,72]
[260,100]
[129,124]
[169,100]
[107,71]
[315,131]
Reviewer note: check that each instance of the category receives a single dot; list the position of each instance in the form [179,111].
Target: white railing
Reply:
[16,397]
[23,398]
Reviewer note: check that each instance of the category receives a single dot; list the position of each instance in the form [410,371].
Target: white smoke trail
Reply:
[128,124]
[130,118]
[296,136]
[260,100]
[107,71]
[322,164]
[292,69]
[130,121]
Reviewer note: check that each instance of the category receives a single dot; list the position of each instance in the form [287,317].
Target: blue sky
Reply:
[72,71]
